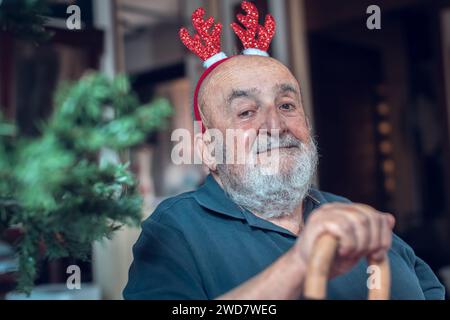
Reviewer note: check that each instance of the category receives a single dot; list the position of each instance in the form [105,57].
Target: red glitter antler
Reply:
[255,36]
[206,42]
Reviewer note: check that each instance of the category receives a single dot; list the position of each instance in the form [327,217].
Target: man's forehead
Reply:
[251,74]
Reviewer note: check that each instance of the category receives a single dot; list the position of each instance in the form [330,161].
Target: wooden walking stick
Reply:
[319,267]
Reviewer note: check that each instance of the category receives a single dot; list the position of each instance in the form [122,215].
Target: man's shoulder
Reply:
[172,211]
[172,203]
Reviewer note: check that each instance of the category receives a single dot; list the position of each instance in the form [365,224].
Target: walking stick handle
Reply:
[319,266]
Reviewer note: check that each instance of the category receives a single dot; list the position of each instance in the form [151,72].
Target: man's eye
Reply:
[287,107]
[246,114]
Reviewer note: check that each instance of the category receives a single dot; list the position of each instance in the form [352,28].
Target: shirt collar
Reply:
[211,196]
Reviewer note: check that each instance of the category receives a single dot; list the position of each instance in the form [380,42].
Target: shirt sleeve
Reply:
[163,266]
[431,286]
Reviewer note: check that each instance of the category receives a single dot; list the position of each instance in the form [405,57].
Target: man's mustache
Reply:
[267,143]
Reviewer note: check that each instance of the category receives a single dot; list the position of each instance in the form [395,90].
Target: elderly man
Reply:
[248,235]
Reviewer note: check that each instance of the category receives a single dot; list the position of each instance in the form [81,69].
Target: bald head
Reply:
[238,78]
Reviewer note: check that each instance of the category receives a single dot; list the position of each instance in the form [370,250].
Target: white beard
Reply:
[274,195]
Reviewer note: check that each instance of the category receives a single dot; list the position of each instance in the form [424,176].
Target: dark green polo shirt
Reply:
[200,244]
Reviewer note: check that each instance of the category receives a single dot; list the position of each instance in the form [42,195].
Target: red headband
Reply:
[197,89]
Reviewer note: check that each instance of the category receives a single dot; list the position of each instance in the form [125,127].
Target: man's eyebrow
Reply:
[286,87]
[238,93]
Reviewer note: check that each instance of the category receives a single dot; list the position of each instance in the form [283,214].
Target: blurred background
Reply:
[379,101]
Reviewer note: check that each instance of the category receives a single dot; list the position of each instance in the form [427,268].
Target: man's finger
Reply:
[361,224]
[345,232]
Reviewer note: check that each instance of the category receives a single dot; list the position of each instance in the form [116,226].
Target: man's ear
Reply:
[204,150]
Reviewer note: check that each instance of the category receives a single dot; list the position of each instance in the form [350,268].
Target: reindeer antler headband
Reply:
[206,42]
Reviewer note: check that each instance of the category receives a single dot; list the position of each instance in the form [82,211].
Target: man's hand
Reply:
[361,231]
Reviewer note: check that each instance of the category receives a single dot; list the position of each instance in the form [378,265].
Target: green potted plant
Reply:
[56,190]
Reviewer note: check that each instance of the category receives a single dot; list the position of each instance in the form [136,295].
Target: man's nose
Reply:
[273,121]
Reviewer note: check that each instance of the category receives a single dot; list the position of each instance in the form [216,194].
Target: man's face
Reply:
[260,96]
